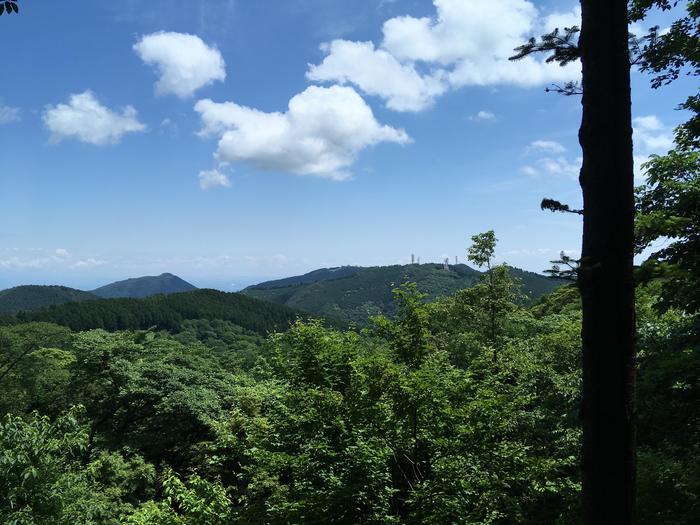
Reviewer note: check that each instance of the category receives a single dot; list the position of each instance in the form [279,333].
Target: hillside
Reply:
[168,312]
[34,297]
[165,283]
[354,294]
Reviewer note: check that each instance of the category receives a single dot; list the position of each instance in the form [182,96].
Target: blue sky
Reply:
[229,141]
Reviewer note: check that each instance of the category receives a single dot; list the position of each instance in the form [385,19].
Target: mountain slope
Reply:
[167,312]
[34,297]
[165,283]
[354,294]
[324,274]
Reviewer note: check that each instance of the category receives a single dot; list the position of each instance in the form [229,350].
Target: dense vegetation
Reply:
[354,294]
[34,297]
[459,410]
[167,312]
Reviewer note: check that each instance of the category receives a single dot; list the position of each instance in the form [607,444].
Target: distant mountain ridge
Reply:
[34,297]
[354,294]
[322,274]
[28,298]
[165,283]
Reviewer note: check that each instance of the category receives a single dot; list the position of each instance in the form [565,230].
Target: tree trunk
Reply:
[606,280]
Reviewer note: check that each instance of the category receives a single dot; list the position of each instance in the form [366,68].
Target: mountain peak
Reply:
[165,283]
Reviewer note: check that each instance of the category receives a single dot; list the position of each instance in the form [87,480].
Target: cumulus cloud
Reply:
[546,145]
[550,160]
[8,114]
[85,119]
[651,137]
[562,20]
[463,44]
[62,253]
[483,115]
[184,62]
[377,72]
[213,178]
[320,134]
[561,166]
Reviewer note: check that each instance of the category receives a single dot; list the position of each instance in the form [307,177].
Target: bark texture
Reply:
[606,278]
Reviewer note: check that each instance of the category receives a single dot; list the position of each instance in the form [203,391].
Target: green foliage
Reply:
[669,208]
[669,420]
[428,417]
[193,502]
[153,394]
[33,367]
[45,480]
[482,249]
[355,295]
[168,312]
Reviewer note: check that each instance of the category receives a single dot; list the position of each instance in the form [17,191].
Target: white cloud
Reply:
[551,160]
[321,133]
[85,119]
[559,20]
[549,146]
[184,62]
[530,171]
[88,263]
[9,114]
[213,178]
[466,43]
[483,115]
[651,136]
[39,258]
[378,73]
[561,166]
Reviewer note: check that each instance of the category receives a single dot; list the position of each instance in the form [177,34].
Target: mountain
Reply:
[324,274]
[34,297]
[168,312]
[354,294]
[165,283]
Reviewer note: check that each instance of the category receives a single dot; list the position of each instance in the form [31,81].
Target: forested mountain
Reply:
[168,312]
[34,297]
[354,294]
[443,414]
[164,283]
[323,274]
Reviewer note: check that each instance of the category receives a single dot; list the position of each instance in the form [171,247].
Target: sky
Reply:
[232,141]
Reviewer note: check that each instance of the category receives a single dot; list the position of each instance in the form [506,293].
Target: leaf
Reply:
[15,7]
[8,7]
[2,9]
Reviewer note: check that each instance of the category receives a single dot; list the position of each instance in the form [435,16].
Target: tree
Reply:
[668,204]
[480,253]
[496,294]
[605,277]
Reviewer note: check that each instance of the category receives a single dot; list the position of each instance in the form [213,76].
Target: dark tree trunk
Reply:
[606,280]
